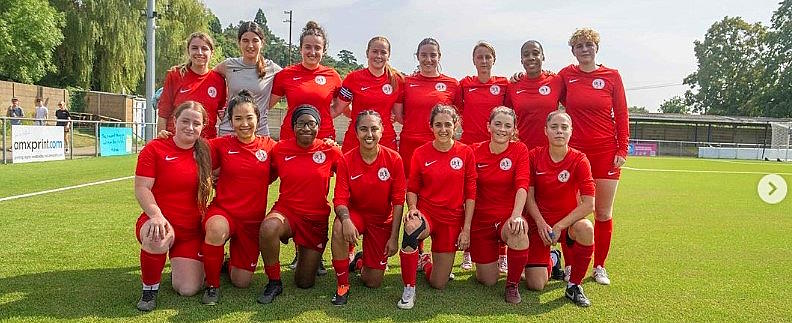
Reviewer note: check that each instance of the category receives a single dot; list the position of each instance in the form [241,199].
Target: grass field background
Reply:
[687,247]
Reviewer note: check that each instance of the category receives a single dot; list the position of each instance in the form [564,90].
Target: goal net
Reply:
[780,142]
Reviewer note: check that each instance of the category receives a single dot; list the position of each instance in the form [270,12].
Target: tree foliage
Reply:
[637,109]
[674,105]
[29,31]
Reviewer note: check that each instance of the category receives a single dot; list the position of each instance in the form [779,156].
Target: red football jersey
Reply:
[305,176]
[532,100]
[475,102]
[420,95]
[175,187]
[316,87]
[243,181]
[368,92]
[499,178]
[598,107]
[443,180]
[371,190]
[556,185]
[208,89]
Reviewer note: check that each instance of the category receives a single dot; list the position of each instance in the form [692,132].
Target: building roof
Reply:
[703,119]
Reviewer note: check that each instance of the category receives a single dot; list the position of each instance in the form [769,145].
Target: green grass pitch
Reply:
[688,246]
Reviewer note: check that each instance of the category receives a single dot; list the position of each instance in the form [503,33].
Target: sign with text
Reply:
[642,149]
[37,143]
[115,141]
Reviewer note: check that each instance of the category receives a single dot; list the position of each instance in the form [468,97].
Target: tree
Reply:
[674,105]
[29,32]
[731,63]
[637,109]
[777,98]
[182,18]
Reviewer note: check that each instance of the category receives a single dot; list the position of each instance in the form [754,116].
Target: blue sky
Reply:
[650,42]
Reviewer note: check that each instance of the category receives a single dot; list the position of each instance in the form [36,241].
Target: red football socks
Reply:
[409,263]
[151,266]
[212,261]
[580,266]
[516,262]
[342,271]
[273,271]
[603,230]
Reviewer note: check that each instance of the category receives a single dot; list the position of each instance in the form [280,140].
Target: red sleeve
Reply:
[223,97]
[278,86]
[273,164]
[621,116]
[459,100]
[507,101]
[341,193]
[522,174]
[146,163]
[531,167]
[470,175]
[399,186]
[165,103]
[344,93]
[414,181]
[456,96]
[585,179]
[214,151]
[563,75]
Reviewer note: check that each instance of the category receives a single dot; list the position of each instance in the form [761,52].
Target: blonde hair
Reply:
[584,34]
[508,112]
[485,45]
[394,76]
[200,35]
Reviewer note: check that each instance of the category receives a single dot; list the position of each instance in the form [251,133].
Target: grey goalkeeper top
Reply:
[240,76]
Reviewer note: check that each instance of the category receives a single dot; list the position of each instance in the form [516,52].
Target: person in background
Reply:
[64,120]
[15,111]
[41,113]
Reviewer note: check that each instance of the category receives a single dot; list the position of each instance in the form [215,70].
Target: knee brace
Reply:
[411,239]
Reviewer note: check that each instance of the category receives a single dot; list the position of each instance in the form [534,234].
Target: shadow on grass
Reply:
[113,292]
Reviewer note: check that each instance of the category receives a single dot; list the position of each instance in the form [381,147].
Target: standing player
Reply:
[251,72]
[376,87]
[559,175]
[304,165]
[535,95]
[422,92]
[369,198]
[596,102]
[478,95]
[441,194]
[501,189]
[193,81]
[173,183]
[308,82]
[242,165]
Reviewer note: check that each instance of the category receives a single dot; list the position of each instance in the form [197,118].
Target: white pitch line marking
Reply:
[700,171]
[8,198]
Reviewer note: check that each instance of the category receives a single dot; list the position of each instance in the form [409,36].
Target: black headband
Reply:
[305,109]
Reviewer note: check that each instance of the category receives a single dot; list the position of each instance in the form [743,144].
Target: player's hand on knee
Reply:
[159,228]
[517,225]
[349,231]
[463,242]
[544,233]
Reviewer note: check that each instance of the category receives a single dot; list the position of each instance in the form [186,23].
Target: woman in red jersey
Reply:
[242,164]
[376,87]
[501,189]
[536,94]
[308,82]
[173,183]
[478,95]
[369,198]
[560,197]
[441,194]
[422,92]
[193,81]
[596,102]
[304,165]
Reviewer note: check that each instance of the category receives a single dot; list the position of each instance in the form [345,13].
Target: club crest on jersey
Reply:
[598,84]
[387,89]
[211,91]
[505,164]
[544,90]
[321,80]
[440,87]
[383,174]
[456,163]
[261,155]
[563,176]
[319,157]
[495,90]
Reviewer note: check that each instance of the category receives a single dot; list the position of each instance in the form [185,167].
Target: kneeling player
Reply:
[369,199]
[558,175]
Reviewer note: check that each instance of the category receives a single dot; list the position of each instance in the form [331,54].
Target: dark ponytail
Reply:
[253,27]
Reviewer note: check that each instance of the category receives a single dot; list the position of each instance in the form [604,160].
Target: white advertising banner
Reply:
[37,143]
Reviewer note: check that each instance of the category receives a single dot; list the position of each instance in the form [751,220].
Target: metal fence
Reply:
[81,136]
[721,151]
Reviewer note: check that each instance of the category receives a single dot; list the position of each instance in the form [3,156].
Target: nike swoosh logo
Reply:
[237,70]
[288,158]
[611,173]
[383,263]
[519,91]
[471,90]
[481,165]
[541,173]
[429,163]
[184,90]
[296,78]
[573,80]
[356,176]
[169,158]
[413,85]
[230,152]
[364,88]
